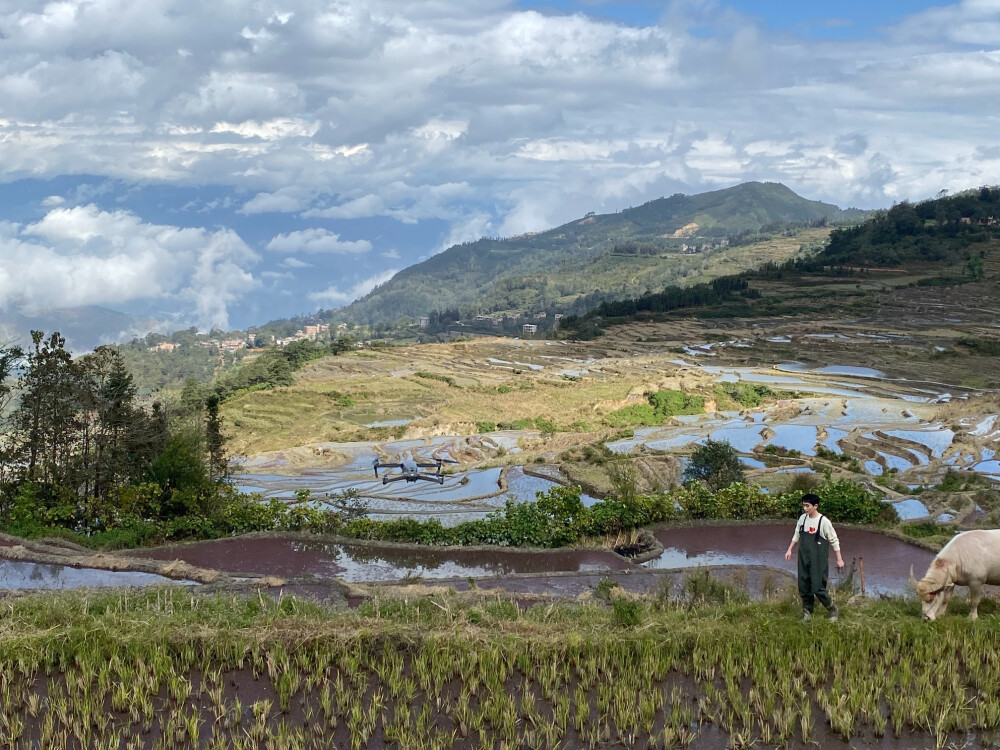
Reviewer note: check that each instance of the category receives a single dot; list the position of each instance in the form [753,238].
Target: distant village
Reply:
[306,333]
[327,331]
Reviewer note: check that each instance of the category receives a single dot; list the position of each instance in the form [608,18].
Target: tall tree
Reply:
[46,418]
[10,357]
[112,420]
[215,441]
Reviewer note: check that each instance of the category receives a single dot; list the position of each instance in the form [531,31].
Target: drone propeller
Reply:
[376,465]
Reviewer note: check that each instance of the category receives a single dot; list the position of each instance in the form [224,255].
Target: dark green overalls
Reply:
[814,567]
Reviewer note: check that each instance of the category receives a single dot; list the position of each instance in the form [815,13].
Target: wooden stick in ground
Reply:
[861,573]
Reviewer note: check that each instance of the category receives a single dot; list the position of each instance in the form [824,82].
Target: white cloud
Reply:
[269,130]
[382,104]
[295,263]
[339,297]
[282,201]
[316,241]
[398,200]
[85,256]
[482,115]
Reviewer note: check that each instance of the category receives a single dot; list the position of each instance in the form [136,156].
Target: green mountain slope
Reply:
[534,269]
[947,241]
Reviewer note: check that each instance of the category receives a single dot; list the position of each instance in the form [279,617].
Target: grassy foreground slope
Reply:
[166,669]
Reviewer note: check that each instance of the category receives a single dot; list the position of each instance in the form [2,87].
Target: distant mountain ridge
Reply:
[84,328]
[493,274]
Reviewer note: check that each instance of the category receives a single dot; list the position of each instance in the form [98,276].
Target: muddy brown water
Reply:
[293,558]
[886,561]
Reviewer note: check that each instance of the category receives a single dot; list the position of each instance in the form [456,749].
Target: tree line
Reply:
[952,232]
[81,450]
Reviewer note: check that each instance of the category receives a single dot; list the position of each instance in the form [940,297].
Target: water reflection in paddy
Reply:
[464,496]
[741,436]
[850,370]
[937,441]
[795,437]
[19,574]
[289,558]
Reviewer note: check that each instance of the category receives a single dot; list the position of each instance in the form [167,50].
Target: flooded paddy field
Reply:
[356,562]
[889,394]
[897,434]
[887,561]
[23,575]
[751,555]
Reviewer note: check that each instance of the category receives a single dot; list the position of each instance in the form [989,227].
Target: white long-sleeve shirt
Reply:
[825,529]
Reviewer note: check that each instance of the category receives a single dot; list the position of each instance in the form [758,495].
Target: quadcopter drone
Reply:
[410,470]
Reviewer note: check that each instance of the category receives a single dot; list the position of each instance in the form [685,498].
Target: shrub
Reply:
[546,425]
[748,395]
[804,483]
[661,406]
[716,463]
[841,500]
[626,613]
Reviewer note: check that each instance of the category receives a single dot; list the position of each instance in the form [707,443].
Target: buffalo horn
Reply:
[913,581]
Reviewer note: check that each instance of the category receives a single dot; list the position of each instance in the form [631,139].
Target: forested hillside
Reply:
[937,231]
[943,241]
[596,257]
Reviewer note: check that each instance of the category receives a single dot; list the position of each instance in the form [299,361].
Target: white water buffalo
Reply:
[969,559]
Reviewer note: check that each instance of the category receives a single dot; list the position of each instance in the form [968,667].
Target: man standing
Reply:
[815,535]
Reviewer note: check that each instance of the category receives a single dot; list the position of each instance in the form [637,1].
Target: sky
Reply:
[225,164]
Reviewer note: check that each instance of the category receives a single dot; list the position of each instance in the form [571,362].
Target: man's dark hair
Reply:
[811,499]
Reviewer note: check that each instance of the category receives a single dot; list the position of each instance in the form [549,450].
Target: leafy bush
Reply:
[804,483]
[737,501]
[661,406]
[780,450]
[748,395]
[637,414]
[845,501]
[340,399]
[716,463]
[546,425]
[960,481]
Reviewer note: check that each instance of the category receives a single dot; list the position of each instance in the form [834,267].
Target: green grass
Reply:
[478,670]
